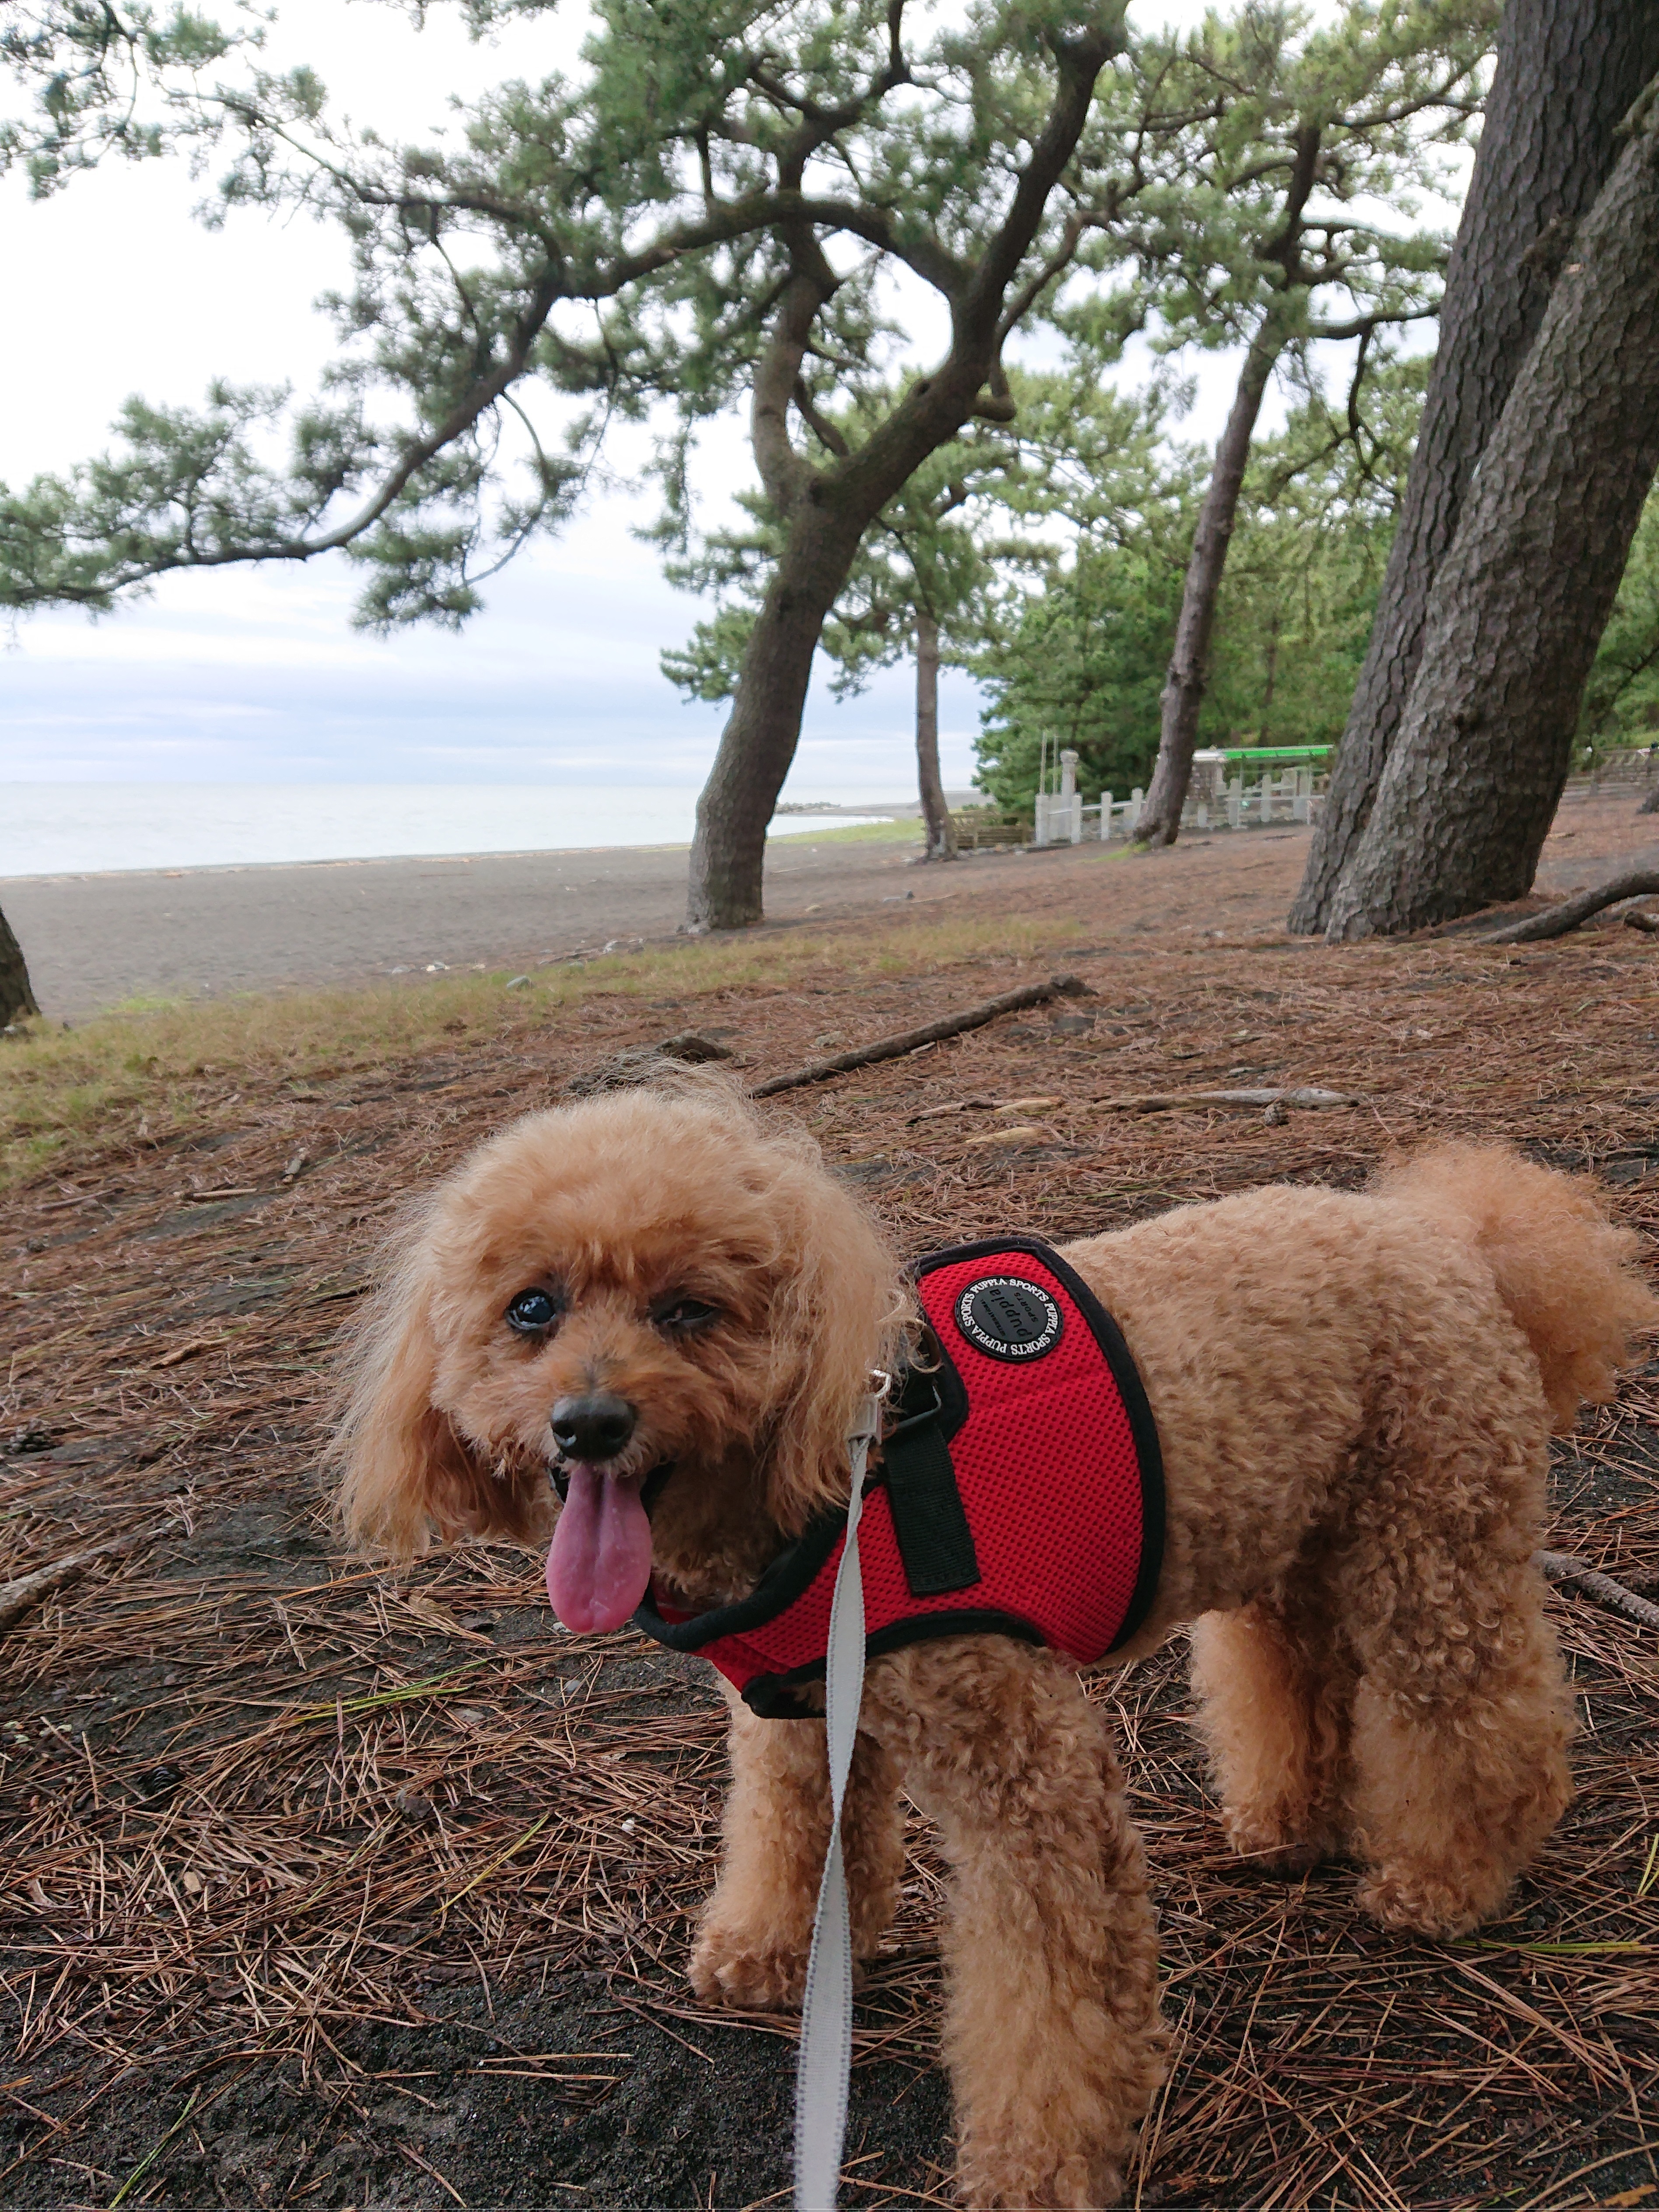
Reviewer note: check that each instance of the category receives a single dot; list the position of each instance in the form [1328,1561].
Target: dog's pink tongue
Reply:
[599,1567]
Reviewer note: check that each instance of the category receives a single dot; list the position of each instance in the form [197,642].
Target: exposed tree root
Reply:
[1557,921]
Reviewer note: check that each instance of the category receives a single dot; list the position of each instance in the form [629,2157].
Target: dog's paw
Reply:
[728,1968]
[1420,1903]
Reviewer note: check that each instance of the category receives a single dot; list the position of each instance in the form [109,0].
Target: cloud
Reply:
[255,674]
[558,681]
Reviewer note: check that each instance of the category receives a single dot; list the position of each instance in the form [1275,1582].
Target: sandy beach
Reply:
[96,940]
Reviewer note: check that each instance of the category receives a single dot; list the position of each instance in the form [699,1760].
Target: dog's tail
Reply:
[1567,1274]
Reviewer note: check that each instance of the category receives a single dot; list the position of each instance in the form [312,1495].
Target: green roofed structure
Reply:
[1259,753]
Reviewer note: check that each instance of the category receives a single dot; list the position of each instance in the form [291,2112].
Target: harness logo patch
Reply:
[1008,1317]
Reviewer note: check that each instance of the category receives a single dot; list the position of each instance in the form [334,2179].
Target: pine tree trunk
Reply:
[1567,72]
[16,998]
[758,744]
[1475,772]
[935,814]
[828,511]
[1264,733]
[1190,664]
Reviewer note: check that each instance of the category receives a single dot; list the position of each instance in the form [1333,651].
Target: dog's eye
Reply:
[684,1316]
[533,1311]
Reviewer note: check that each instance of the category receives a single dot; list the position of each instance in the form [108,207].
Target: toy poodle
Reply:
[674,1311]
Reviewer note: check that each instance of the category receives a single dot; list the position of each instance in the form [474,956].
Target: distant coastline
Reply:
[895,809]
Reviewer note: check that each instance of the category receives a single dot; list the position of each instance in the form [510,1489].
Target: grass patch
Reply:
[153,1069]
[906,831]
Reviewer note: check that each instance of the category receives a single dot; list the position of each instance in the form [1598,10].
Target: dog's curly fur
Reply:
[1353,1394]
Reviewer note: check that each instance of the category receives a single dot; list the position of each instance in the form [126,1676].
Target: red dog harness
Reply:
[1020,1492]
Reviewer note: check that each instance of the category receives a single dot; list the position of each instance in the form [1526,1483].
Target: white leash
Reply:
[825,2065]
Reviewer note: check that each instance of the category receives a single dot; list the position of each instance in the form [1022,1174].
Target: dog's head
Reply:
[644,1280]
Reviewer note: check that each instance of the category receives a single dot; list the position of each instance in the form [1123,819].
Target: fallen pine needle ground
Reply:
[327,1886]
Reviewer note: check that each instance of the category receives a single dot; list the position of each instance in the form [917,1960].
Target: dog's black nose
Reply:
[593,1427]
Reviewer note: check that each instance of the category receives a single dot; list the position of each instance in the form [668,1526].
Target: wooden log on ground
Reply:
[948,1025]
[18,1596]
[1557,921]
[1304,1098]
[1560,1567]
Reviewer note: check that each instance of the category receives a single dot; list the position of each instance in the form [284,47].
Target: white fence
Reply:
[1214,802]
[1063,819]
[1632,768]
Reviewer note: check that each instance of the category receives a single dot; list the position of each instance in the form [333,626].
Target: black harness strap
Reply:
[934,1540]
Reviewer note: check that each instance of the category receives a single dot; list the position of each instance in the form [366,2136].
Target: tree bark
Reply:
[826,511]
[1566,72]
[941,830]
[16,998]
[1472,780]
[758,743]
[1190,664]
[1264,735]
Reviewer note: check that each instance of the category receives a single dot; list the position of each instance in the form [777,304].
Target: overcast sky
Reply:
[255,674]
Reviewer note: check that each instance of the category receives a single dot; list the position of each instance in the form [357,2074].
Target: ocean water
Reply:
[86,829]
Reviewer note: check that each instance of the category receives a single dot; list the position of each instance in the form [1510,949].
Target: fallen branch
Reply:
[1643,917]
[1577,1574]
[957,1106]
[949,1025]
[16,1597]
[1001,1106]
[1012,1133]
[1304,1100]
[1557,921]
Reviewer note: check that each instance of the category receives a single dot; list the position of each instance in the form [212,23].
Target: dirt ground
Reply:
[99,940]
[325,1886]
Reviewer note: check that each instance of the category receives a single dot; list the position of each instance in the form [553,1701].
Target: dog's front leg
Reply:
[756,1929]
[1052,2030]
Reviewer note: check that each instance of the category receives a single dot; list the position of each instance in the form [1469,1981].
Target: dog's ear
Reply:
[407,1477]
[841,1310]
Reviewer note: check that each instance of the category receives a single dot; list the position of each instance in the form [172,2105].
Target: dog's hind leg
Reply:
[756,1929]
[1274,1683]
[1052,2031]
[1461,1714]
[1460,1775]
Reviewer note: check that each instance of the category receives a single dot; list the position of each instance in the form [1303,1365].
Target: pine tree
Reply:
[710,209]
[1567,72]
[1474,777]
[1296,136]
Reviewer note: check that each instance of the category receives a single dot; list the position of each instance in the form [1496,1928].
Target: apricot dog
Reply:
[1353,1394]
